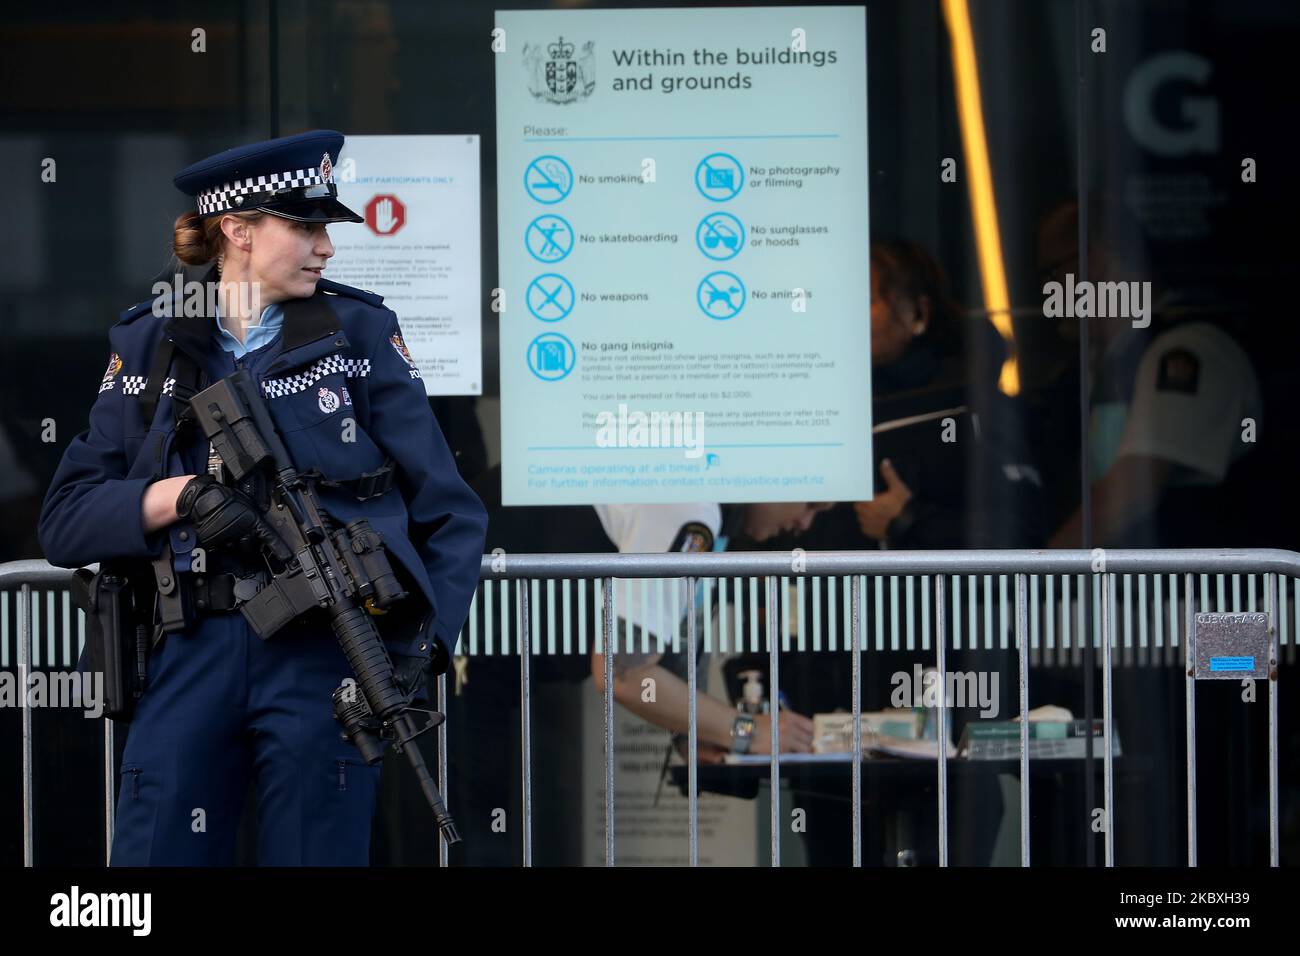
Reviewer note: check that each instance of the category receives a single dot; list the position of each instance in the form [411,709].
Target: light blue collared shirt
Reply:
[256,336]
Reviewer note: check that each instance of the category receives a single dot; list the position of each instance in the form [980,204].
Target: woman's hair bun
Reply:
[193,239]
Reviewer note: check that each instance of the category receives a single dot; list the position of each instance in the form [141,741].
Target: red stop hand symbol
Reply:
[385,214]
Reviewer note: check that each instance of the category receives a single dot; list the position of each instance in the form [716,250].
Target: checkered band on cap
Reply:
[222,198]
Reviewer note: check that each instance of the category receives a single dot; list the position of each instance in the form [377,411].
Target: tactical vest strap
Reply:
[162,359]
[371,484]
[185,371]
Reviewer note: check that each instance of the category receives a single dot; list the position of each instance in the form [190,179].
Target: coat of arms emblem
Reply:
[560,73]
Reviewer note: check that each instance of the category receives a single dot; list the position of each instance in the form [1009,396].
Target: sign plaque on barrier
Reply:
[1232,646]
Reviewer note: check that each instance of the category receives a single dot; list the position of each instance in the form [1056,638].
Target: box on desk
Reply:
[1048,740]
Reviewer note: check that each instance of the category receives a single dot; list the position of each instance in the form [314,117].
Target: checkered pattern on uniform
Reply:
[134,384]
[221,198]
[292,384]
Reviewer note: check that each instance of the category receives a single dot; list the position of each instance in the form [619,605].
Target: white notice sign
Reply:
[419,247]
[682,206]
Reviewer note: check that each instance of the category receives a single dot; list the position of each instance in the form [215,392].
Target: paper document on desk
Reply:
[895,732]
[872,746]
[833,733]
[911,749]
[762,760]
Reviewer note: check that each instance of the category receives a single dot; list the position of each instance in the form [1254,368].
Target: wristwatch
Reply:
[742,731]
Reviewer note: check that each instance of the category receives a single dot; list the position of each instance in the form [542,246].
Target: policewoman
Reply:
[141,488]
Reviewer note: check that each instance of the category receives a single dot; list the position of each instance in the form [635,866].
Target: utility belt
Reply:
[131,605]
[125,617]
[223,591]
[121,602]
[233,580]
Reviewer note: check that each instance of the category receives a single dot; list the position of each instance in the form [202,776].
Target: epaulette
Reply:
[338,288]
[131,313]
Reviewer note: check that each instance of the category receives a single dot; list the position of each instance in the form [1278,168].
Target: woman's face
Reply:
[895,322]
[766,520]
[287,257]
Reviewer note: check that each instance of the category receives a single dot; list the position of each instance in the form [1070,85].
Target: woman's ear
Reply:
[236,232]
[921,321]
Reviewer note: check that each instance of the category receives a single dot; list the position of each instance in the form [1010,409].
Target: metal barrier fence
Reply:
[1034,603]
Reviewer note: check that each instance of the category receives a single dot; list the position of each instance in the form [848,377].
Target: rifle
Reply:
[344,571]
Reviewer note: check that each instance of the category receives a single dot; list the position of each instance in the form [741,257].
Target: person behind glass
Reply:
[953,473]
[953,466]
[1172,401]
[686,528]
[222,707]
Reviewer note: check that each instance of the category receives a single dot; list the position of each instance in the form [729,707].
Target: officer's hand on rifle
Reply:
[221,515]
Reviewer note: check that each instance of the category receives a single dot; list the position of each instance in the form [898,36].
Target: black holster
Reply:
[117,636]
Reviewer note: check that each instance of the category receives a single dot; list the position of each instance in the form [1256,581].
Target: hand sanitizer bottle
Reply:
[751,696]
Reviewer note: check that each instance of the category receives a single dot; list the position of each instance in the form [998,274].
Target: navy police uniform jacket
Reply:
[339,362]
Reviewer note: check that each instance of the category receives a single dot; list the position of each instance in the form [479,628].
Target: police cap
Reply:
[291,177]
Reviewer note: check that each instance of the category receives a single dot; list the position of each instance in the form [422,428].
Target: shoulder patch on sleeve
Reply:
[338,288]
[395,340]
[1179,371]
[114,366]
[694,537]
